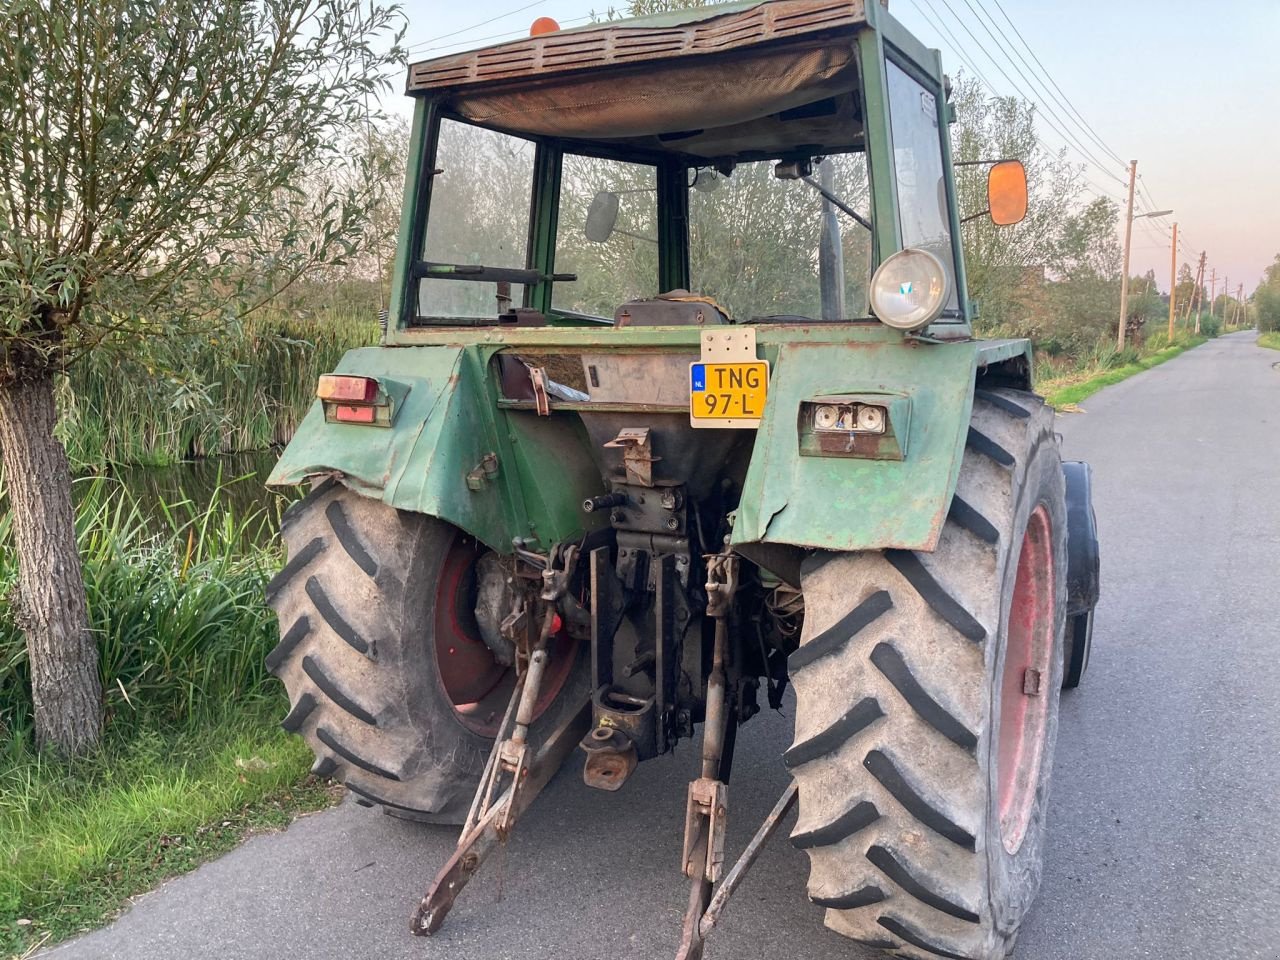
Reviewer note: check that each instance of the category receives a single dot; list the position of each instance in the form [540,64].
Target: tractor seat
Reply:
[676,308]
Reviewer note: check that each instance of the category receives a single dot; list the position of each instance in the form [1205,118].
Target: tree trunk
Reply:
[50,604]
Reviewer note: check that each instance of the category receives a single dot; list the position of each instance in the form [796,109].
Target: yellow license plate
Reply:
[722,392]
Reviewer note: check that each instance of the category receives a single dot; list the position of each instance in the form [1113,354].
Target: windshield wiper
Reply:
[837,202]
[425,269]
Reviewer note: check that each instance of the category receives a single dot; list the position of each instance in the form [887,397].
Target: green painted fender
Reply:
[432,458]
[843,503]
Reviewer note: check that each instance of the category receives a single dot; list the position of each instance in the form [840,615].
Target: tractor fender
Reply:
[797,498]
[451,452]
[1083,557]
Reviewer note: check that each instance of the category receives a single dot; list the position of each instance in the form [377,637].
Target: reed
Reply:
[244,388]
[175,602]
[192,759]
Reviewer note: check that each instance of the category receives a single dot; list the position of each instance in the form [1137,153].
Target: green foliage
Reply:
[1120,365]
[166,167]
[1266,299]
[175,603]
[77,839]
[191,760]
[1271,339]
[1210,324]
[244,387]
[755,240]
[1055,277]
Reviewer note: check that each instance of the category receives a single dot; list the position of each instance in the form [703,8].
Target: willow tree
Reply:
[150,157]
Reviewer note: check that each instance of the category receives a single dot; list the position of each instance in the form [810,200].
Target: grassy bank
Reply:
[192,759]
[1065,388]
[77,840]
[245,388]
[1271,339]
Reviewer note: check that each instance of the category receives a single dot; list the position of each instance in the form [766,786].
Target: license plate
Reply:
[728,394]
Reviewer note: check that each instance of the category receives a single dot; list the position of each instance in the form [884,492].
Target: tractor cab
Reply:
[762,157]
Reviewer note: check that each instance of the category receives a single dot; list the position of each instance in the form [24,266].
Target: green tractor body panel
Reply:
[431,459]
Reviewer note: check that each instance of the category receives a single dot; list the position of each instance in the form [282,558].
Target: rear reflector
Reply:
[335,386]
[346,414]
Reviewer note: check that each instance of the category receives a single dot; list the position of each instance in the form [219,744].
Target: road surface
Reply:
[1165,822]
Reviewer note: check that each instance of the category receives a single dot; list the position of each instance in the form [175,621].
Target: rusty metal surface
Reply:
[475,845]
[638,42]
[637,454]
[704,827]
[633,717]
[638,377]
[735,876]
[611,758]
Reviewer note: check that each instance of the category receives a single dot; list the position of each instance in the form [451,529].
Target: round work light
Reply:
[909,289]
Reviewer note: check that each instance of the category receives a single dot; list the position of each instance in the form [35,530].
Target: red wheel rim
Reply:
[1024,686]
[477,685]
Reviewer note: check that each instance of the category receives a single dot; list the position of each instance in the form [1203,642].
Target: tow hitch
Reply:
[522,775]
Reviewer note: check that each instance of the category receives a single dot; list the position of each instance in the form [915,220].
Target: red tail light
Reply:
[362,414]
[347,389]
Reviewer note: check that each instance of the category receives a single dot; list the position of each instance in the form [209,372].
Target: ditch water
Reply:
[236,483]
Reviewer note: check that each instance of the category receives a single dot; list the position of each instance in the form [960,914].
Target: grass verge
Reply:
[77,840]
[1271,339]
[1067,391]
[192,760]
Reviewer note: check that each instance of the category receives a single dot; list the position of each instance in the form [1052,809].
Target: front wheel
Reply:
[389,679]
[927,703]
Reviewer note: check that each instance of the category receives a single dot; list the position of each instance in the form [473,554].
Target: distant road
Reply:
[1165,828]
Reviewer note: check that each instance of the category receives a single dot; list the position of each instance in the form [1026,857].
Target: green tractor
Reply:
[678,405]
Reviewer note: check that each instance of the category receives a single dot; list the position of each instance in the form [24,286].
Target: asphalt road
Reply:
[1165,826]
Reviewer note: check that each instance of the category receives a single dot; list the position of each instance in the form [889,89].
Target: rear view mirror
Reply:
[602,217]
[1007,192]
[706,180]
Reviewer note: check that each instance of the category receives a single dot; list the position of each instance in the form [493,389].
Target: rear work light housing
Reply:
[862,426]
[348,398]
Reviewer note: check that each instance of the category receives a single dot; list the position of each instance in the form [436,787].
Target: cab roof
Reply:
[732,81]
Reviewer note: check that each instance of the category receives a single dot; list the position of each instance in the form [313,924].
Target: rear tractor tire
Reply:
[388,678]
[927,703]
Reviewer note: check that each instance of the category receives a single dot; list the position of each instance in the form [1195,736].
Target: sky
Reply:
[1186,88]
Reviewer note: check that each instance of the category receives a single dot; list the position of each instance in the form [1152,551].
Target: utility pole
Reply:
[1173,278]
[1195,290]
[1128,238]
[1239,312]
[1197,295]
[1213,292]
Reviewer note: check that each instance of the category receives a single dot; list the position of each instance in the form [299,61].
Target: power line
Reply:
[1004,46]
[1157,225]
[1049,116]
[962,54]
[482,23]
[493,36]
[1097,139]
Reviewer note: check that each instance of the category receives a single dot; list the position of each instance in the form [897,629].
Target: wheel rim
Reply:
[477,686]
[1025,697]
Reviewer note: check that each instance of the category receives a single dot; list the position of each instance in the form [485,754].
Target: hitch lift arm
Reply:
[488,821]
[707,812]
